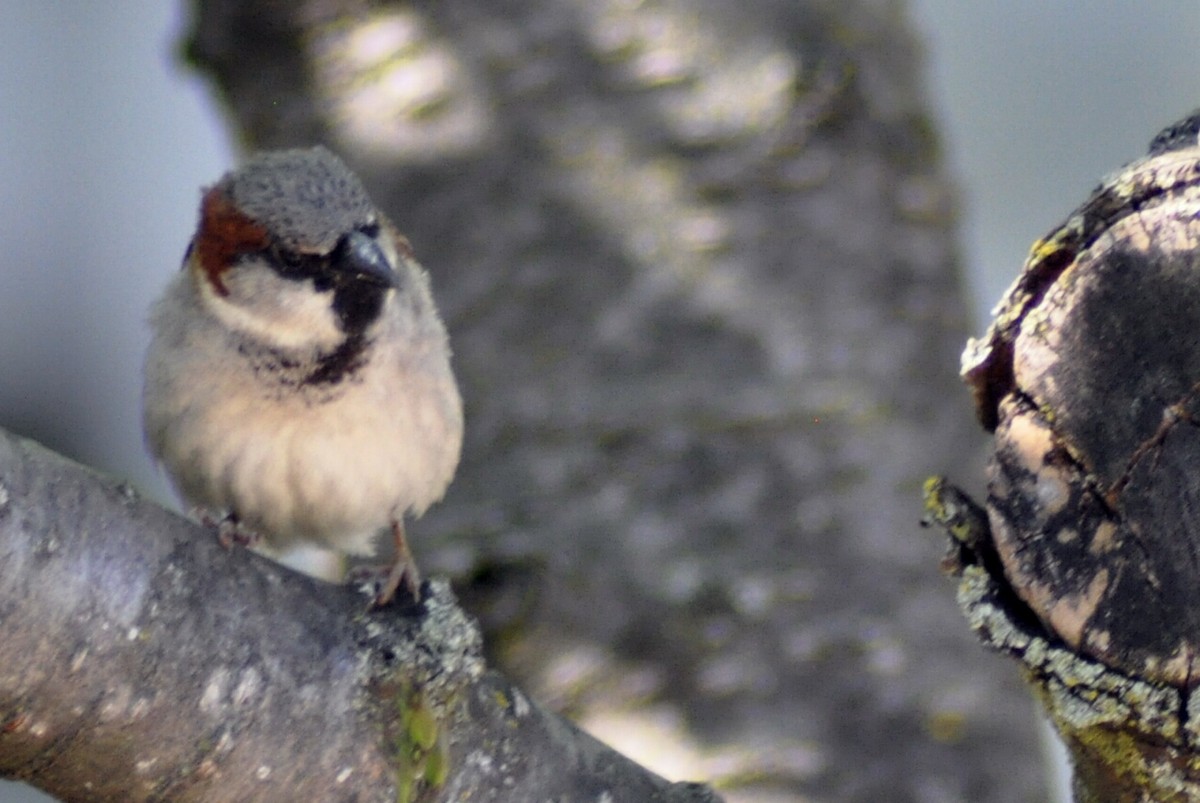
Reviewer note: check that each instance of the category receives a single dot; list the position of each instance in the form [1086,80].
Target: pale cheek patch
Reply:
[276,312]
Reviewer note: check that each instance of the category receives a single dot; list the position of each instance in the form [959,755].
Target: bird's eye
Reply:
[291,264]
[370,229]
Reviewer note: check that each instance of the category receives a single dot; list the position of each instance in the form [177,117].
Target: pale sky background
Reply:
[1039,99]
[104,144]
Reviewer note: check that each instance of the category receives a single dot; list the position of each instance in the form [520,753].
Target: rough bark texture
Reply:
[1087,564]
[696,262]
[142,661]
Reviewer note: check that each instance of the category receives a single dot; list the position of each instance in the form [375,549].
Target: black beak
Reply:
[361,257]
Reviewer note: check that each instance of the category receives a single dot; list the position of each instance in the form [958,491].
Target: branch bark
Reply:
[1087,563]
[142,661]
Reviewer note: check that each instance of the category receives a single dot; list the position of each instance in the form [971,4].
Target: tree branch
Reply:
[142,661]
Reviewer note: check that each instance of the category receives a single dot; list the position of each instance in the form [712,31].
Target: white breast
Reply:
[332,471]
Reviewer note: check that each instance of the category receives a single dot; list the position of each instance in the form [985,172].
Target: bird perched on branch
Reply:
[298,387]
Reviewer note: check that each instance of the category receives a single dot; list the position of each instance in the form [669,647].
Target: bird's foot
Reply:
[387,579]
[230,530]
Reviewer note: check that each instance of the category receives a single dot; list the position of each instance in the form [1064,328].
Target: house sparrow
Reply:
[298,385]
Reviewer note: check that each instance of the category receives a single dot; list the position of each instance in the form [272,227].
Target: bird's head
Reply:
[291,253]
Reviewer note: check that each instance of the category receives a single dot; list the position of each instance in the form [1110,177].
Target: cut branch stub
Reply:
[1090,378]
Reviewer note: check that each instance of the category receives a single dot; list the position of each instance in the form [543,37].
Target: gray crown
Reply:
[306,198]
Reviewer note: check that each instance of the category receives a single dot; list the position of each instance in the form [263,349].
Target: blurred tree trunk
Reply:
[697,263]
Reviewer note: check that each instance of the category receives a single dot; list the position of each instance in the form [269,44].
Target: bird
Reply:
[298,382]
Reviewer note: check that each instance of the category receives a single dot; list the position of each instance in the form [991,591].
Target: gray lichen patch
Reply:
[417,682]
[446,648]
[1079,693]
[1122,731]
